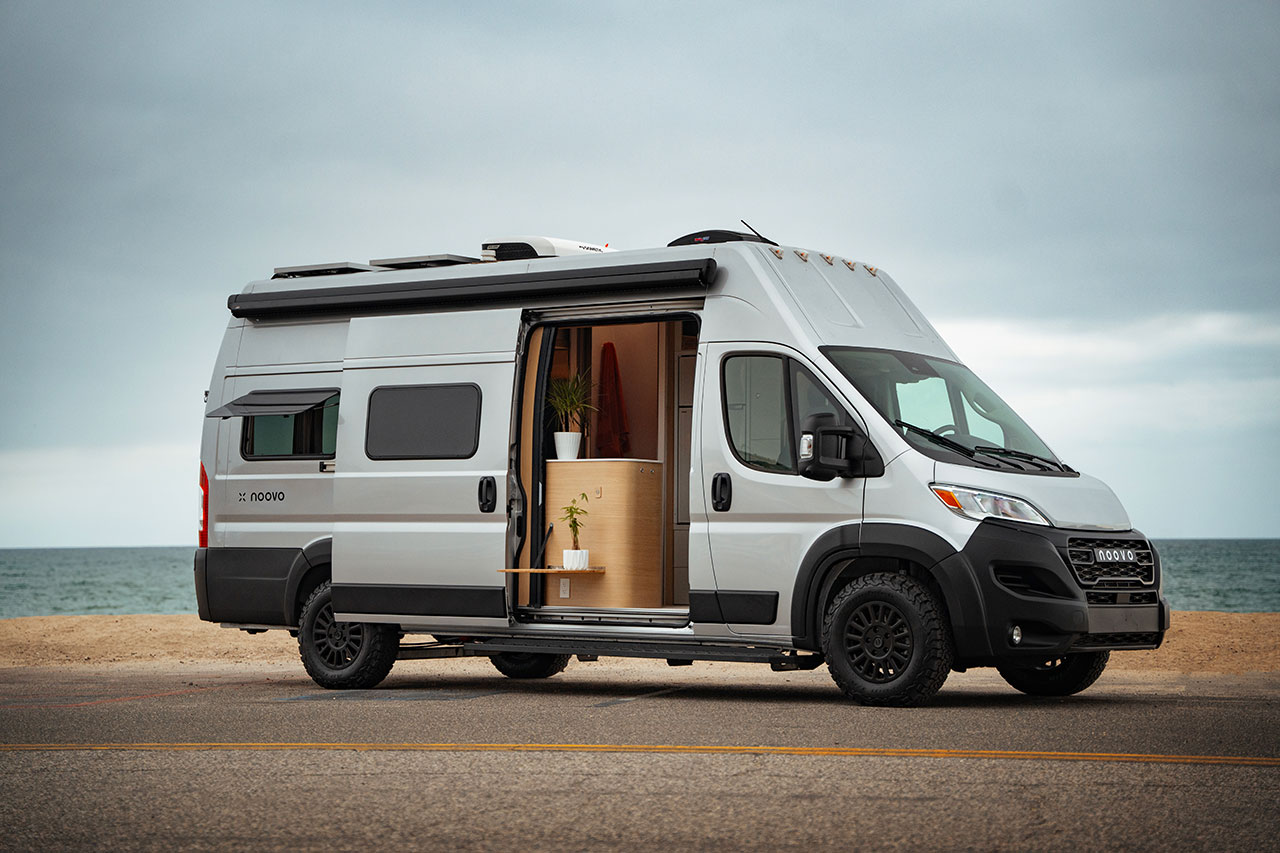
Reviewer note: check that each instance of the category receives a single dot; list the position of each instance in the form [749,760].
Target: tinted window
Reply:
[756,412]
[423,422]
[311,433]
[811,397]
[939,395]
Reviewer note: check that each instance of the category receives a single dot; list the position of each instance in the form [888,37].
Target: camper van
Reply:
[765,454]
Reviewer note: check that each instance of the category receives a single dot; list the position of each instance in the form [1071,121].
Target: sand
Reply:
[1206,641]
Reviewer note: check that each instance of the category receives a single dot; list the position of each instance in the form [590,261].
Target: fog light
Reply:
[1015,634]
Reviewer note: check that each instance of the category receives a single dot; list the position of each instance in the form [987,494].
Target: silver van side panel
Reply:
[410,542]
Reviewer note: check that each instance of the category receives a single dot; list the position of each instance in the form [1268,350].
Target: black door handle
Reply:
[721,492]
[487,494]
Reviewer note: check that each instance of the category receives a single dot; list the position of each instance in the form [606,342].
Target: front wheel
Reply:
[886,641]
[343,655]
[1060,676]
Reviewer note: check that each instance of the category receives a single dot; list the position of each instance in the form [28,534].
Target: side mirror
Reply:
[829,450]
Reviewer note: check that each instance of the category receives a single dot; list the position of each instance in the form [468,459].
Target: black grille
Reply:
[1117,574]
[1111,641]
[1120,597]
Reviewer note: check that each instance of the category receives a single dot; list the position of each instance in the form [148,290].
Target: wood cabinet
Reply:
[623,531]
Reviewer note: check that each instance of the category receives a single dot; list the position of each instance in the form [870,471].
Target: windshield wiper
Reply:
[1046,464]
[948,443]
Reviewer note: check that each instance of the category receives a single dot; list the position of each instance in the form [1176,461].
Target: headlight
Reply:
[979,505]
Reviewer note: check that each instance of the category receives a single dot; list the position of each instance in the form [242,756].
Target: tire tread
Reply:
[384,647]
[935,636]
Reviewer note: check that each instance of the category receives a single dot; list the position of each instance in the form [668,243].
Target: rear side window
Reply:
[309,434]
[423,422]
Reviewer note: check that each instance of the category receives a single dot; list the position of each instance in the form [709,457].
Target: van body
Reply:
[781,462]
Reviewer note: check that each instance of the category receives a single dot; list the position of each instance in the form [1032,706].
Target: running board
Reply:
[658,617]
[776,658]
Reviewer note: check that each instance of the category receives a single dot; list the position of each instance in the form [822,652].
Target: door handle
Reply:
[721,492]
[487,494]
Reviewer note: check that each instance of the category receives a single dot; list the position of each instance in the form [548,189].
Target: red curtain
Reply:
[613,433]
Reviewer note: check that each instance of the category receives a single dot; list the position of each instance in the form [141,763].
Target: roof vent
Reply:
[340,268]
[524,248]
[423,261]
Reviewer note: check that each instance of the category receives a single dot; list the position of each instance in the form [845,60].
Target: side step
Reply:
[776,658]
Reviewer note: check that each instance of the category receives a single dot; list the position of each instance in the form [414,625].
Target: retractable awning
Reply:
[274,403]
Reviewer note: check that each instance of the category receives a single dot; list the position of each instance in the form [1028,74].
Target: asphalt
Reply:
[628,754]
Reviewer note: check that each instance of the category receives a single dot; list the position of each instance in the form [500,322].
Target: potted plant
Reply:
[570,399]
[577,558]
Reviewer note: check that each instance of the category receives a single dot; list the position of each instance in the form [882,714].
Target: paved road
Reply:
[628,753]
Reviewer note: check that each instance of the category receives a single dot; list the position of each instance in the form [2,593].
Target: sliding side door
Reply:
[421,492]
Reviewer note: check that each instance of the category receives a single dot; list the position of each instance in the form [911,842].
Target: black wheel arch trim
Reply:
[316,554]
[818,571]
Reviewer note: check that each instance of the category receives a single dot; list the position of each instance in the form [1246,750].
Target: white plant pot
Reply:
[575,559]
[567,444]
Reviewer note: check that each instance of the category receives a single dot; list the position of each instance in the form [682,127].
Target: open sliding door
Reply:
[420,496]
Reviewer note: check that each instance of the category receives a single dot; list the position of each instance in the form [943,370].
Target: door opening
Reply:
[632,465]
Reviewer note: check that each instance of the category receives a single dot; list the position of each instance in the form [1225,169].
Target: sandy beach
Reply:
[1199,641]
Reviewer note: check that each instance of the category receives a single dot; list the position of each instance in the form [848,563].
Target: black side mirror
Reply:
[829,450]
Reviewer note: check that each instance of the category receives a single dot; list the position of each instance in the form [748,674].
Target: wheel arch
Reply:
[852,550]
[312,567]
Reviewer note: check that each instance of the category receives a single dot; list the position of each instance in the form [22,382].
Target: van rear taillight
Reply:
[203,538]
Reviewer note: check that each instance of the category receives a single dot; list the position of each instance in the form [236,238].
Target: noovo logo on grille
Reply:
[1115,555]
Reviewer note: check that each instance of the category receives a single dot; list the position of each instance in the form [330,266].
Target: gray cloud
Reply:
[1051,162]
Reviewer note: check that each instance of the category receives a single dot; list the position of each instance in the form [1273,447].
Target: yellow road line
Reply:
[846,752]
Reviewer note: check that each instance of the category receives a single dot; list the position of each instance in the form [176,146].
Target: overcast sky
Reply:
[1085,199]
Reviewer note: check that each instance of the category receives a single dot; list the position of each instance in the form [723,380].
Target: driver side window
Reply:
[766,399]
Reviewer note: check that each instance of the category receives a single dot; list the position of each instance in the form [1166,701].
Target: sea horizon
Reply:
[1233,574]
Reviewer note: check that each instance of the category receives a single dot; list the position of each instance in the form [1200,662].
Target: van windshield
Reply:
[943,409]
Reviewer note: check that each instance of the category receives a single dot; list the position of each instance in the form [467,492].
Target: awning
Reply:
[274,403]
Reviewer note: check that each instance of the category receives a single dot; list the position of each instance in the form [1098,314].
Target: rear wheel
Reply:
[343,655]
[886,642]
[529,664]
[1061,676]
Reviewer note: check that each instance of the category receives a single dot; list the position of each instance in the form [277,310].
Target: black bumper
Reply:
[1024,577]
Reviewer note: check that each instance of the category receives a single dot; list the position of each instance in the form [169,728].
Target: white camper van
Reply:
[772,457]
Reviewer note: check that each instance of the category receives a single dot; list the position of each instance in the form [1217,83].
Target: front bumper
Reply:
[1025,576]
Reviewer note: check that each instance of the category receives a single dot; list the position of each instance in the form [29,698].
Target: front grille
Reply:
[1118,640]
[1120,574]
[1119,597]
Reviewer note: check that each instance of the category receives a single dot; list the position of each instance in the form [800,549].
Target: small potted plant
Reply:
[570,399]
[577,558]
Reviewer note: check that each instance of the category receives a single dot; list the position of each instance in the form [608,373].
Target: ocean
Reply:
[1241,575]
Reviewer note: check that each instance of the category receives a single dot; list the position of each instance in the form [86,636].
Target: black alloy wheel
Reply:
[344,655]
[878,642]
[886,640]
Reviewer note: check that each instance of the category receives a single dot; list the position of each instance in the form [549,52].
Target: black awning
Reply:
[274,403]
[433,293]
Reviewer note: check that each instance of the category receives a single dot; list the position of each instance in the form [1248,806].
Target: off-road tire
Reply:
[343,655]
[886,641]
[1061,676]
[529,664]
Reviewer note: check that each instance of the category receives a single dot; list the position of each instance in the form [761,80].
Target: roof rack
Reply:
[307,270]
[423,261]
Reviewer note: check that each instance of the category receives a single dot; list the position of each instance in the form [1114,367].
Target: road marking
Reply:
[634,698]
[845,752]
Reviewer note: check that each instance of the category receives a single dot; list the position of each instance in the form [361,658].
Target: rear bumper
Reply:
[1024,579]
